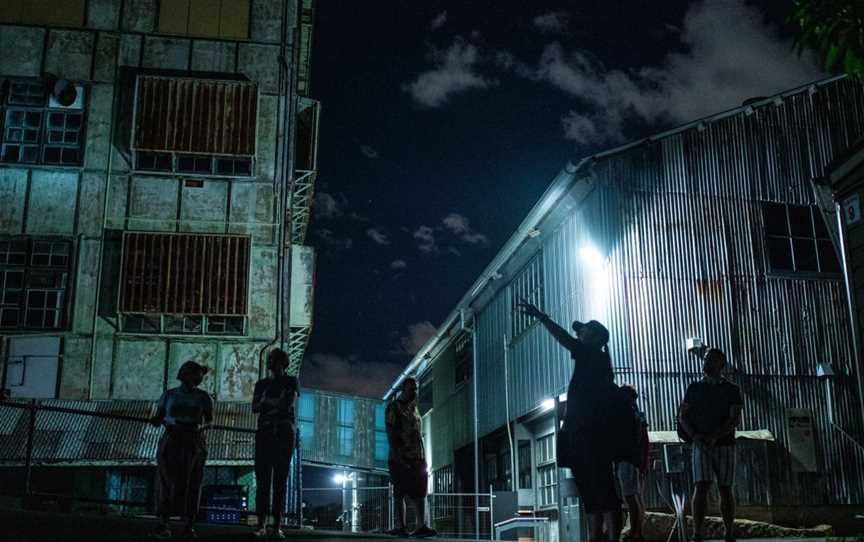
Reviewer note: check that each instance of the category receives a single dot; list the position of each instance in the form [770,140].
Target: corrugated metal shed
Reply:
[678,219]
[202,116]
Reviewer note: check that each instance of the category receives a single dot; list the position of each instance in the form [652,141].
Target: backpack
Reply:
[624,428]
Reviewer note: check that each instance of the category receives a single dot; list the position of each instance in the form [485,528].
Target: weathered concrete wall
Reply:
[96,202]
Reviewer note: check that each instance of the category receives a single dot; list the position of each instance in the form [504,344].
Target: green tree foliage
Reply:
[834,29]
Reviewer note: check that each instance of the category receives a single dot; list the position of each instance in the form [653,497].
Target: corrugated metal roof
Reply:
[203,116]
[76,439]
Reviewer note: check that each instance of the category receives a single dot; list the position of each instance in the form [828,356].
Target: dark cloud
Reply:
[454,71]
[370,152]
[416,336]
[439,21]
[398,265]
[730,53]
[554,22]
[378,236]
[348,374]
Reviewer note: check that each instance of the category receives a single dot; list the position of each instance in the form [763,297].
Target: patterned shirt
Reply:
[181,406]
[404,433]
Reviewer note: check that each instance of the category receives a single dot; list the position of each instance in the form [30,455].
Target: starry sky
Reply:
[444,121]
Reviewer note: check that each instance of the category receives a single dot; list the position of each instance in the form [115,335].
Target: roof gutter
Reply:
[560,185]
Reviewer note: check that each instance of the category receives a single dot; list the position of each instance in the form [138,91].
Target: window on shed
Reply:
[463,360]
[345,427]
[43,12]
[547,471]
[206,18]
[306,419]
[525,471]
[382,448]
[184,283]
[527,286]
[426,399]
[797,239]
[34,274]
[37,128]
[192,126]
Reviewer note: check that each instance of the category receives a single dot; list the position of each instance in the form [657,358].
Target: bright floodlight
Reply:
[591,255]
[339,479]
[548,404]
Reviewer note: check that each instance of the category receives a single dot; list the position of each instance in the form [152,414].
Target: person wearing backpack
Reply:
[632,466]
[583,443]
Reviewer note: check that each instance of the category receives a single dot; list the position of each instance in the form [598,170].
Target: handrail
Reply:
[105,415]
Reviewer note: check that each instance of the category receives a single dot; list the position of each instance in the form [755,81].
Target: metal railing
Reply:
[349,509]
[58,435]
[462,515]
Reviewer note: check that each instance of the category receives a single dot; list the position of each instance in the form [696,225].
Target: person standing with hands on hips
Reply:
[274,400]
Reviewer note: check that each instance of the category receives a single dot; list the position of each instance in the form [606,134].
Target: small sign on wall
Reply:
[852,209]
[802,439]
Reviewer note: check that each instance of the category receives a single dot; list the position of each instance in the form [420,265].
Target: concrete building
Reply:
[157,164]
[709,231]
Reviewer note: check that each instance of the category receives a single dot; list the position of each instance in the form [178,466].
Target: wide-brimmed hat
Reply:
[191,366]
[599,329]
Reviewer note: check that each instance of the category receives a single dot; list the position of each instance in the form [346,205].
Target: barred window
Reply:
[797,239]
[34,275]
[382,448]
[527,286]
[37,129]
[345,427]
[547,471]
[463,360]
[195,126]
[443,481]
[184,283]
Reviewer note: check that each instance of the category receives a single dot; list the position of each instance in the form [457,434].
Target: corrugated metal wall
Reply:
[325,445]
[679,219]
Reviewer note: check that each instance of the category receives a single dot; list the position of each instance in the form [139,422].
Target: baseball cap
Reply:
[599,329]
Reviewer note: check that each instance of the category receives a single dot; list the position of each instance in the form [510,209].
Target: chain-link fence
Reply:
[461,515]
[101,456]
[361,509]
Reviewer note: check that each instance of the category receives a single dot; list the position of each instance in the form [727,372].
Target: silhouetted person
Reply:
[182,449]
[631,470]
[709,415]
[407,460]
[584,445]
[274,401]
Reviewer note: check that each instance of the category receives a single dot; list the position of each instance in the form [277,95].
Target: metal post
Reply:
[491,513]
[850,305]
[28,460]
[476,438]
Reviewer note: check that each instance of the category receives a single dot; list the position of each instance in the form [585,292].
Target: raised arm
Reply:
[559,333]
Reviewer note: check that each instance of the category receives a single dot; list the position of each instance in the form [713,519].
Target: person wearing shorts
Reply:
[709,415]
[407,461]
[631,472]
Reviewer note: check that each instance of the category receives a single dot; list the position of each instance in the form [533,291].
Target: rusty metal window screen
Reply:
[527,286]
[184,274]
[797,240]
[33,279]
[195,126]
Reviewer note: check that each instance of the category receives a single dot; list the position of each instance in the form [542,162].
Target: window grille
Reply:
[525,471]
[306,419]
[443,481]
[33,281]
[797,239]
[426,398]
[227,19]
[463,360]
[547,471]
[382,447]
[345,427]
[527,286]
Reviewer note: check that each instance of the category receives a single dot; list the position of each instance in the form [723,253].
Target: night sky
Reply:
[443,122]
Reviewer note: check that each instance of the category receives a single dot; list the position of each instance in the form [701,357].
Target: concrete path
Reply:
[28,526]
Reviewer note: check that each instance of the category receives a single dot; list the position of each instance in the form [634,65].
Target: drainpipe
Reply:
[115,105]
[850,306]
